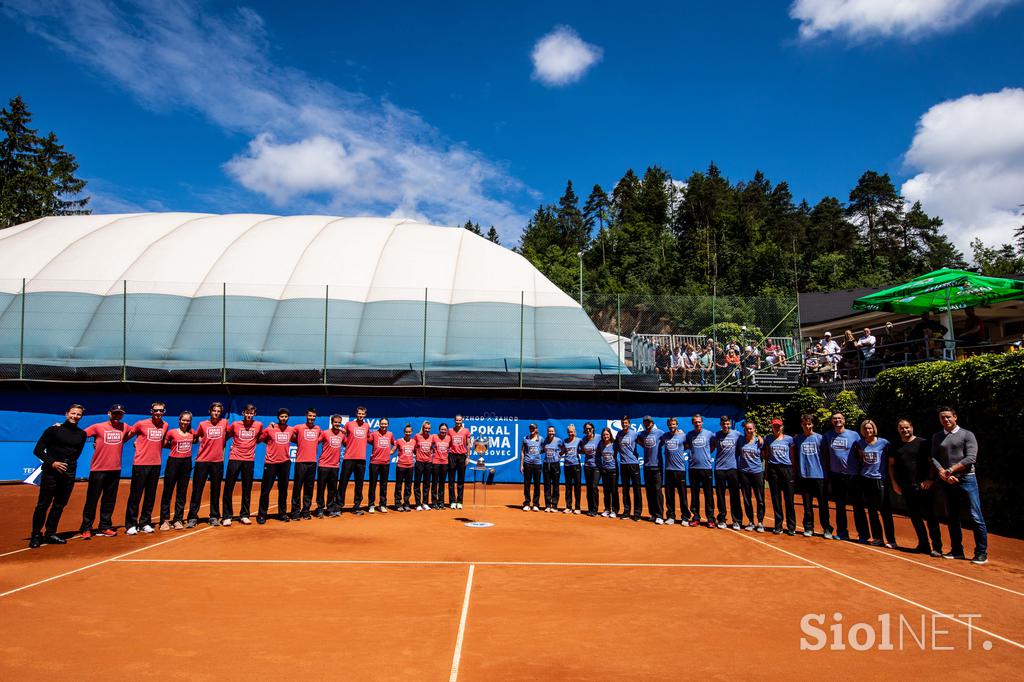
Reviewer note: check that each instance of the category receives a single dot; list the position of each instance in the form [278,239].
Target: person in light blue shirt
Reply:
[531,465]
[591,468]
[552,447]
[778,449]
[606,457]
[751,468]
[873,454]
[650,442]
[673,453]
[699,444]
[837,447]
[812,477]
[726,446]
[571,463]
[629,468]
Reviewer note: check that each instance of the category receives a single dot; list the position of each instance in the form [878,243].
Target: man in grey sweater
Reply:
[954,453]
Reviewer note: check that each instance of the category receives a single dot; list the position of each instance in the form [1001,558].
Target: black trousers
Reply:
[201,473]
[54,492]
[780,483]
[631,484]
[274,473]
[700,480]
[532,474]
[593,476]
[728,480]
[238,468]
[652,486]
[421,482]
[921,509]
[145,479]
[379,475]
[812,491]
[456,476]
[102,484]
[437,483]
[351,468]
[327,484]
[675,484]
[552,479]
[753,482]
[176,476]
[403,486]
[572,486]
[304,480]
[845,491]
[878,509]
[609,484]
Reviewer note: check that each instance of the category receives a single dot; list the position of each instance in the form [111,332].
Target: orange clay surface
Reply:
[535,596]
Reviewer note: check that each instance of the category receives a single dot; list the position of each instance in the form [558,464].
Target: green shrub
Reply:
[724,331]
[805,400]
[763,414]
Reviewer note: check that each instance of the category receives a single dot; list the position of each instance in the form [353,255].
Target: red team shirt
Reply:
[330,456]
[356,436]
[277,443]
[307,438]
[382,444]
[243,440]
[441,448]
[180,443]
[211,447]
[406,452]
[149,441]
[108,444]
[424,447]
[460,441]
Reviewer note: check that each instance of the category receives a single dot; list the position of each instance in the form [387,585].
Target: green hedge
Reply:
[988,394]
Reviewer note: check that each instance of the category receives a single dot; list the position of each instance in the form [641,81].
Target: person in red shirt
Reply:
[276,467]
[327,473]
[406,448]
[306,437]
[382,444]
[356,435]
[442,444]
[104,472]
[177,472]
[462,440]
[149,437]
[424,468]
[244,435]
[211,435]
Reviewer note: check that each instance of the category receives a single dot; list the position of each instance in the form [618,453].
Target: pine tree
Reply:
[492,235]
[572,227]
[472,227]
[877,209]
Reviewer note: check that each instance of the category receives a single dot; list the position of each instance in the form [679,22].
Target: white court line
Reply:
[462,627]
[23,549]
[403,562]
[100,563]
[969,626]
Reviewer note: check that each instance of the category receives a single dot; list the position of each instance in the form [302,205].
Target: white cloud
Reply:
[860,19]
[561,57]
[969,158]
[313,146]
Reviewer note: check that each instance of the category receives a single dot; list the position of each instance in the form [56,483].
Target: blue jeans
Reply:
[965,494]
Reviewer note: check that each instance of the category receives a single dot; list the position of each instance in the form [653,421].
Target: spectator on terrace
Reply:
[849,361]
[661,361]
[975,332]
[705,361]
[832,349]
[866,344]
[732,362]
[676,365]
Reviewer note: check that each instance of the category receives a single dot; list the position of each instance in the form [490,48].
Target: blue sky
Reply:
[451,112]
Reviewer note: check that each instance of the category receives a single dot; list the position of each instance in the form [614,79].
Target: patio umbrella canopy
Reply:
[944,289]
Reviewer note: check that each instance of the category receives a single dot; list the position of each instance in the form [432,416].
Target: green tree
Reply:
[877,209]
[472,227]
[492,235]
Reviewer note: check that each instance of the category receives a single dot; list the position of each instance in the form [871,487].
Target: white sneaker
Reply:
[452,506]
[526,507]
[420,508]
[735,526]
[612,515]
[604,514]
[658,521]
[148,529]
[577,512]
[132,531]
[372,509]
[536,508]
[567,511]
[383,509]
[226,522]
[459,505]
[245,521]
[670,522]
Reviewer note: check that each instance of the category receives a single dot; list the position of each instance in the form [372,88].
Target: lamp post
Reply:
[579,254]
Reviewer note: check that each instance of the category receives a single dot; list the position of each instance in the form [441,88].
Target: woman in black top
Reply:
[59,448]
[910,471]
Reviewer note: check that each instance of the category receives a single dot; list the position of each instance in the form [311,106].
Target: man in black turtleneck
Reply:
[59,448]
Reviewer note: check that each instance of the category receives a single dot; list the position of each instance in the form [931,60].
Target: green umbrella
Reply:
[944,289]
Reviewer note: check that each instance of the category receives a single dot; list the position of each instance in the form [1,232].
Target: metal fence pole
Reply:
[124,332]
[714,337]
[423,367]
[21,349]
[327,307]
[522,322]
[618,335]
[224,333]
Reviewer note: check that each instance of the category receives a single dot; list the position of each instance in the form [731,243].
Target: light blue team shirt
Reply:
[531,451]
[699,444]
[650,442]
[590,452]
[552,450]
[809,453]
[839,446]
[750,457]
[606,456]
[674,450]
[572,457]
[779,449]
[872,458]
[625,446]
[725,449]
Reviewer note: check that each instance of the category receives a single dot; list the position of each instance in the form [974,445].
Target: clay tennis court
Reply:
[422,596]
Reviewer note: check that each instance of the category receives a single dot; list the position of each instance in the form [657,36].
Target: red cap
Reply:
[776,422]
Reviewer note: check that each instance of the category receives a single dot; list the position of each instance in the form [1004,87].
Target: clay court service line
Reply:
[401,562]
[462,626]
[969,626]
[100,563]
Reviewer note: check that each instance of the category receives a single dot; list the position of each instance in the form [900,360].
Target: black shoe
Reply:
[334,514]
[935,554]
[319,513]
[776,531]
[306,516]
[358,512]
[285,518]
[296,516]
[980,559]
[261,520]
[54,539]
[35,541]
[791,532]
[951,555]
[636,518]
[214,521]
[192,523]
